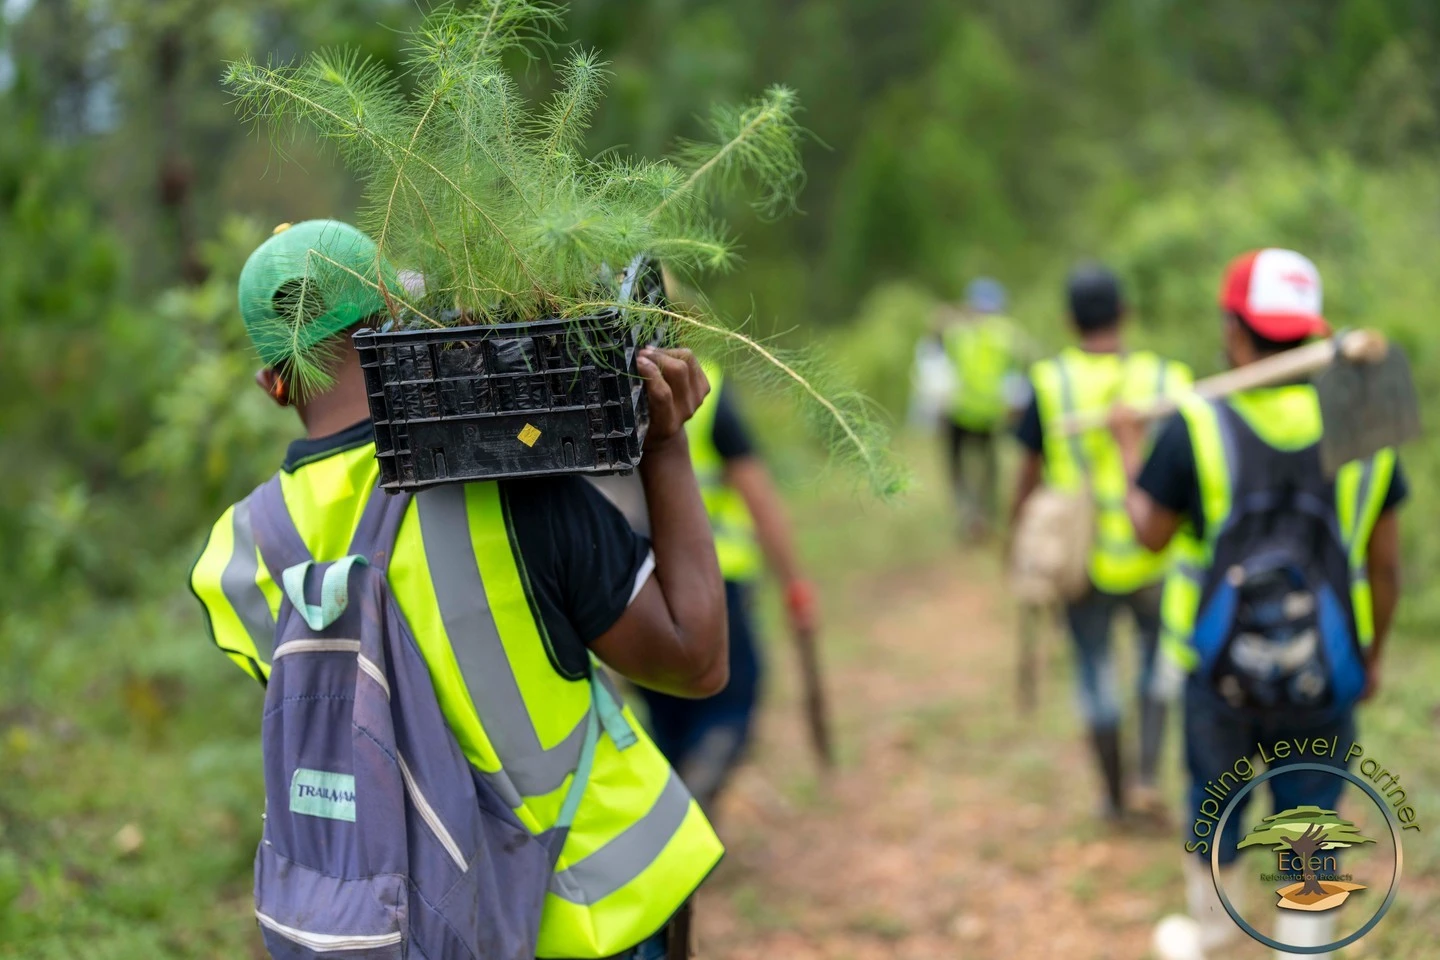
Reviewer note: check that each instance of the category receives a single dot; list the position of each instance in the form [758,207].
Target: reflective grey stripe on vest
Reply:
[1067,408]
[1195,574]
[528,769]
[1214,526]
[624,857]
[237,582]
[1362,496]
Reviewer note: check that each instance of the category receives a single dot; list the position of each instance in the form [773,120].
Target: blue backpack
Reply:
[1276,628]
[381,841]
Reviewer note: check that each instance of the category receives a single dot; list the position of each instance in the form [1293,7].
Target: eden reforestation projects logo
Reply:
[1304,840]
[1312,857]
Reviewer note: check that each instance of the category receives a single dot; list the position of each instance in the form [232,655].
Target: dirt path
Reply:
[956,828]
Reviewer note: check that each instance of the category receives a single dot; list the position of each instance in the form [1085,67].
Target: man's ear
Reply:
[1234,341]
[274,385]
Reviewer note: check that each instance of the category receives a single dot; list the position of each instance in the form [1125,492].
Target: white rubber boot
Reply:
[1207,929]
[1177,937]
[1303,928]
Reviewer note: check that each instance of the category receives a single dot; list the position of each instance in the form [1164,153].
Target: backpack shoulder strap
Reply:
[1212,442]
[1161,366]
[280,543]
[374,537]
[1068,405]
[289,560]
[607,716]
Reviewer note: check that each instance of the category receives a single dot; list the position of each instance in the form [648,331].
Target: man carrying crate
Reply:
[511,590]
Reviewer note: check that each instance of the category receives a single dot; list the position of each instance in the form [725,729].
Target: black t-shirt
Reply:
[581,561]
[731,439]
[1172,481]
[1029,431]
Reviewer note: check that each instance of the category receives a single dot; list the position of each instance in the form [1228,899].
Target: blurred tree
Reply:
[115,127]
[139,82]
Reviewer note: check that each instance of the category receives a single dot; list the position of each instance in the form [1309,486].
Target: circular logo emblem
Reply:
[1307,843]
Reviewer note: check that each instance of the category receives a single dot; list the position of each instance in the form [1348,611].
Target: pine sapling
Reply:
[494,200]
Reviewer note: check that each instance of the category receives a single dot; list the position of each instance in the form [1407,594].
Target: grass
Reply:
[758,912]
[130,789]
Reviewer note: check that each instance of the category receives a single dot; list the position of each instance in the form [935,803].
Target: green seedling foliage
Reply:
[495,201]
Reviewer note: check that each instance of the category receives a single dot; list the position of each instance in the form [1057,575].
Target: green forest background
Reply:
[954,137]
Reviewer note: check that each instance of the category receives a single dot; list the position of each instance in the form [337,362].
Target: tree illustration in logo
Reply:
[1300,837]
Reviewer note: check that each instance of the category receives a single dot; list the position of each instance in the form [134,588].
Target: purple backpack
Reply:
[381,841]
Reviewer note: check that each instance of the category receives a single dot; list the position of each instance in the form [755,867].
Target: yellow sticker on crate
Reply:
[529,435]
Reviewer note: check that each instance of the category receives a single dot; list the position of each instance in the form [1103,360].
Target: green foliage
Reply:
[68,338]
[808,396]
[214,434]
[878,349]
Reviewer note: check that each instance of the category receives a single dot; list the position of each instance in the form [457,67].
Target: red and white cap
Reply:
[1276,293]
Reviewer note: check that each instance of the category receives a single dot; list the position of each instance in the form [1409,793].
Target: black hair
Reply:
[1262,344]
[1096,303]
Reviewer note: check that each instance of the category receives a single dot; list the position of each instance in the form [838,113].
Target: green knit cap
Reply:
[307,283]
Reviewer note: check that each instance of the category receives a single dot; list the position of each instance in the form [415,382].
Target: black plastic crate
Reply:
[528,399]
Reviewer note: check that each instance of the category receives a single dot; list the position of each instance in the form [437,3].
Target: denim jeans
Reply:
[1091,621]
[1217,736]
[653,949]
[973,456]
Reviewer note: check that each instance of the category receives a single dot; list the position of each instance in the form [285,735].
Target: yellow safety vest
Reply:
[982,353]
[639,846]
[1074,382]
[735,544]
[1286,418]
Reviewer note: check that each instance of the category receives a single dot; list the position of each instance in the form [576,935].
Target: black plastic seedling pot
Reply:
[537,398]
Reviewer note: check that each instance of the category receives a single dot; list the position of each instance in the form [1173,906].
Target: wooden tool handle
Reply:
[1357,346]
[817,713]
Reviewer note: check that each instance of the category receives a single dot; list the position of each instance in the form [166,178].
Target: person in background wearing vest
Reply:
[1123,574]
[981,347]
[1229,481]
[512,590]
[706,739]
